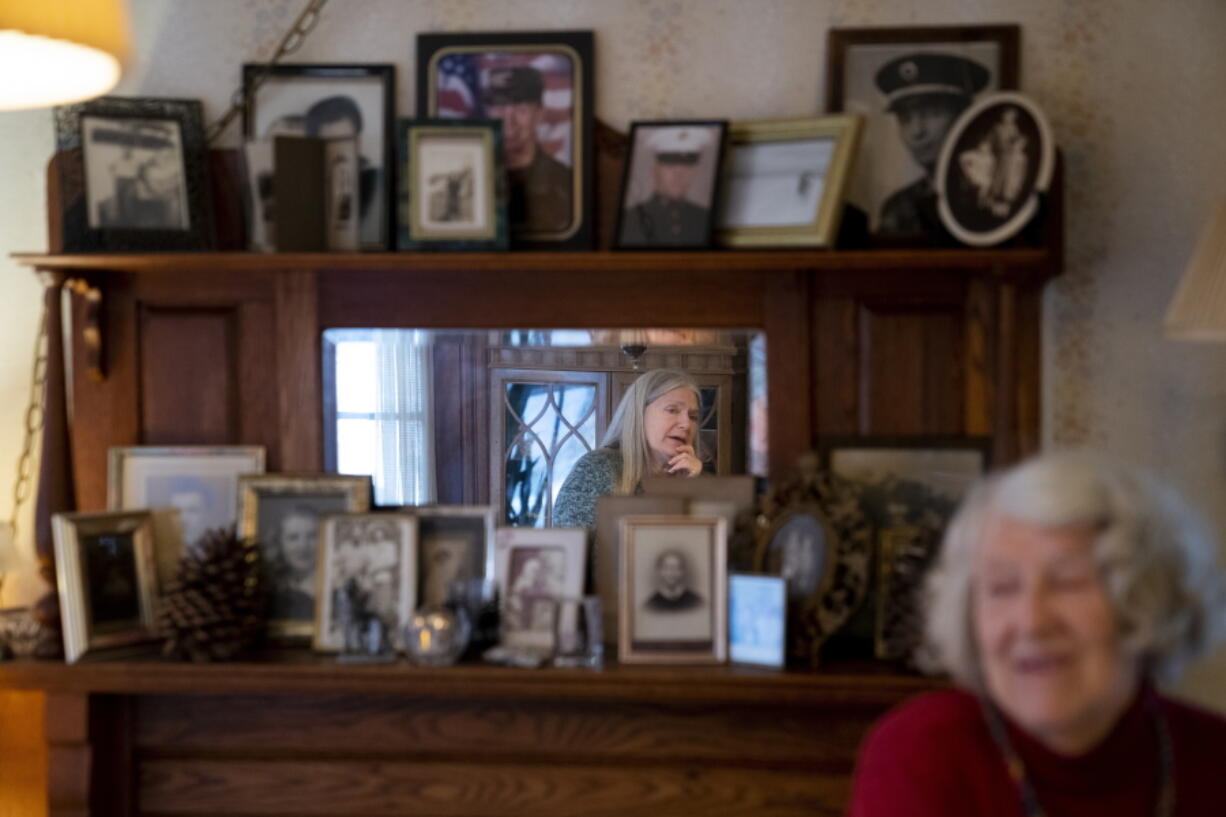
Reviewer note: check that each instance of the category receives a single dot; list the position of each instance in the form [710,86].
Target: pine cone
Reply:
[214,608]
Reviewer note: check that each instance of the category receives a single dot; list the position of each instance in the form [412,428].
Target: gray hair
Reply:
[627,429]
[1157,559]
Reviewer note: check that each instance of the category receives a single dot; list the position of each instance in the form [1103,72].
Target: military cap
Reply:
[916,74]
[513,84]
[680,145]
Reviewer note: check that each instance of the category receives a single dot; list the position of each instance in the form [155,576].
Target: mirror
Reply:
[499,417]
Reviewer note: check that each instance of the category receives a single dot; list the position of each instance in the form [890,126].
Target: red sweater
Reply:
[934,757]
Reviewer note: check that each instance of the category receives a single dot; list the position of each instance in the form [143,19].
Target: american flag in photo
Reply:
[458,97]
[461,76]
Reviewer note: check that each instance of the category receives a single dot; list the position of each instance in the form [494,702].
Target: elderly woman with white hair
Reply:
[1065,588]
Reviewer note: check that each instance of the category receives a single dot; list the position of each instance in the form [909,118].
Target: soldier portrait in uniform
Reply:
[538,87]
[911,85]
[670,185]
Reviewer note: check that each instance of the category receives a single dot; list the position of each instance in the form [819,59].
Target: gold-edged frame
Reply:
[644,540]
[822,229]
[353,493]
[73,533]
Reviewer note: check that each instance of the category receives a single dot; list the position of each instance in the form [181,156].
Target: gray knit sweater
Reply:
[596,474]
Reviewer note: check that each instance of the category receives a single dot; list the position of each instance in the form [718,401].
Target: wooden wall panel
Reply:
[500,730]
[188,376]
[23,754]
[432,789]
[836,361]
[911,369]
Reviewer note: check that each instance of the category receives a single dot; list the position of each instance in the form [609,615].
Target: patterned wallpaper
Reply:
[1130,87]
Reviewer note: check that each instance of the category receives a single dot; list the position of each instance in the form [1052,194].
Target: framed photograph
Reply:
[784,181]
[997,160]
[199,483]
[671,185]
[107,580]
[909,487]
[674,583]
[136,175]
[757,615]
[539,84]
[452,188]
[333,102]
[372,557]
[910,85]
[537,567]
[455,543]
[606,572]
[282,514]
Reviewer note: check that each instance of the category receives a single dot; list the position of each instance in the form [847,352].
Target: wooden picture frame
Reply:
[784,181]
[550,176]
[135,175]
[325,100]
[107,577]
[869,71]
[378,553]
[282,513]
[670,185]
[453,187]
[454,543]
[674,590]
[536,568]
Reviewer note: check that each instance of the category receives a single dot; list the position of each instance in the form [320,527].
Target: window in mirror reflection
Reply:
[499,417]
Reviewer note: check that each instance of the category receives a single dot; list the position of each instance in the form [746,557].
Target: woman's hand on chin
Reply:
[684,463]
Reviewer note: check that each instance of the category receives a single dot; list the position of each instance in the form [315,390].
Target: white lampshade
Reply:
[53,52]
[1198,310]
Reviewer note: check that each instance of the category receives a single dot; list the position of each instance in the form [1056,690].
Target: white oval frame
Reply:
[1027,211]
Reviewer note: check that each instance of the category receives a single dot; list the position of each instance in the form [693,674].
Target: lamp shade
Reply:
[1198,310]
[53,52]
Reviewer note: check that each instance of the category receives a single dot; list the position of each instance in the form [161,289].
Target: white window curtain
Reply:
[404,422]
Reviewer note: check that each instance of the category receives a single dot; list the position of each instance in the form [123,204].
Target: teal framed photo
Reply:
[453,189]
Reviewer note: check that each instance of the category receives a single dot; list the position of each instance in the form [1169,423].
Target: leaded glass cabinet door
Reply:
[544,421]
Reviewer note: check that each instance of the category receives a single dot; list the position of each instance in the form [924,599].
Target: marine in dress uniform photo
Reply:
[669,186]
[926,92]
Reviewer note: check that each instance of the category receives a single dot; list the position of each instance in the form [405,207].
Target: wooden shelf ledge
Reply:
[1040,262]
[307,673]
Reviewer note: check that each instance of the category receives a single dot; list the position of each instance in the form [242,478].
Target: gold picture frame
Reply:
[667,621]
[107,577]
[815,157]
[266,503]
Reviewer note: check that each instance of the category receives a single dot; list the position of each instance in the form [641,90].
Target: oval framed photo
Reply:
[997,159]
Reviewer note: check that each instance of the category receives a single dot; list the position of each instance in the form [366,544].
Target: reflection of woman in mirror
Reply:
[653,431]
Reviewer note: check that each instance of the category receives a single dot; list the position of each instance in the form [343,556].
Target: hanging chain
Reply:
[291,42]
[35,415]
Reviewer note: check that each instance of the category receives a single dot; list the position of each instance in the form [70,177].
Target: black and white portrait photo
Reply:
[674,589]
[669,190]
[536,581]
[368,559]
[283,515]
[334,102]
[911,87]
[455,544]
[135,178]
